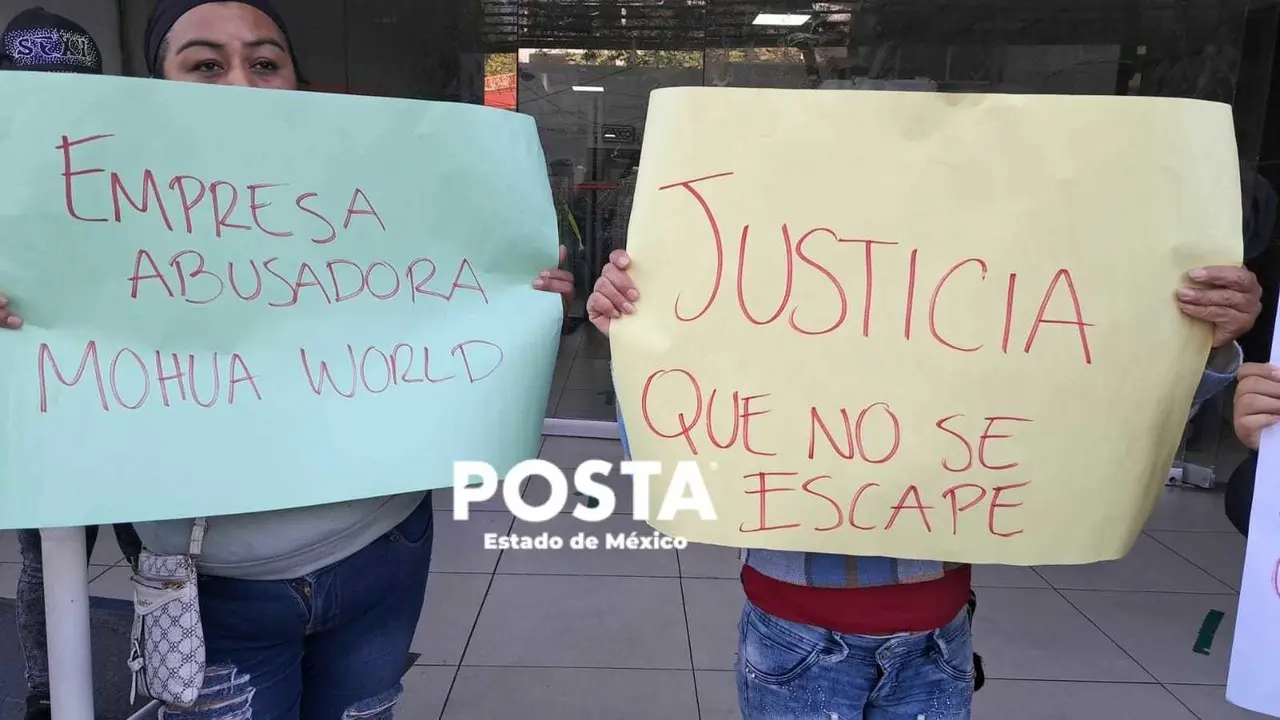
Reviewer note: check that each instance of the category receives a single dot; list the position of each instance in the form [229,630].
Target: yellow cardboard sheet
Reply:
[921,325]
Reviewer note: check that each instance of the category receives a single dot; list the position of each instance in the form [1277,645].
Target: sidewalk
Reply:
[650,635]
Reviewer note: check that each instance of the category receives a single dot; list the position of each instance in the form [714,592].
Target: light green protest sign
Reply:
[241,300]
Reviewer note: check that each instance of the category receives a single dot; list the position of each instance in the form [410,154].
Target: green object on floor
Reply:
[1208,629]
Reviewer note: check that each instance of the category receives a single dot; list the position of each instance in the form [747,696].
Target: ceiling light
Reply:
[587,88]
[781,19]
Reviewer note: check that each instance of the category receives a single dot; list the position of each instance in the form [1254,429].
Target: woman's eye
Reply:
[206,67]
[265,66]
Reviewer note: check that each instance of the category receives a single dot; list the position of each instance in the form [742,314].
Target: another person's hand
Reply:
[557,280]
[1229,298]
[1257,402]
[614,294]
[9,320]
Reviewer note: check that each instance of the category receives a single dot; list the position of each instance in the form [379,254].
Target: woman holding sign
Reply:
[303,613]
[883,638]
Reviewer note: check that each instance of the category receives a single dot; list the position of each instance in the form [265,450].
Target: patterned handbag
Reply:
[167,657]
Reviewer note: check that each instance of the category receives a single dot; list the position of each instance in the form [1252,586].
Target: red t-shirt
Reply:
[886,610]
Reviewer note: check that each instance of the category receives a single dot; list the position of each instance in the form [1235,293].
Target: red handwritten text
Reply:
[375,370]
[214,205]
[799,265]
[186,275]
[131,380]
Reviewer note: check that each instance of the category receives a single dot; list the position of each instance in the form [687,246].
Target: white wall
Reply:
[99,17]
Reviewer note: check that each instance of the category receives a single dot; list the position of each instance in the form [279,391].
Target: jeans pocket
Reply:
[416,529]
[776,652]
[952,650]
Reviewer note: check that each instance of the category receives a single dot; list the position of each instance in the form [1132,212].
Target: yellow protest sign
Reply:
[921,325]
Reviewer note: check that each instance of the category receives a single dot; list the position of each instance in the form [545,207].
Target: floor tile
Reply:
[553,621]
[553,398]
[594,343]
[1190,510]
[537,491]
[585,405]
[601,561]
[569,452]
[1209,702]
[458,545]
[1159,630]
[995,576]
[589,374]
[113,583]
[559,694]
[448,616]
[1149,566]
[425,691]
[1026,634]
[1219,554]
[1029,700]
[717,695]
[9,572]
[713,608]
[709,561]
[442,500]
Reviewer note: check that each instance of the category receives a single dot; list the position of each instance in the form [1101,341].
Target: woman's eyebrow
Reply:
[199,42]
[266,41]
[213,45]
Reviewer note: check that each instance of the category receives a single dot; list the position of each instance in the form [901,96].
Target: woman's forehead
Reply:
[226,22]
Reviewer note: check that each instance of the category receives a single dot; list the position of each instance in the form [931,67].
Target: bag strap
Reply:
[198,528]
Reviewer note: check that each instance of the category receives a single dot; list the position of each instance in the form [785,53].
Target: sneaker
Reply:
[38,708]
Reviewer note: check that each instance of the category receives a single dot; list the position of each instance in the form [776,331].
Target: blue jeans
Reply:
[790,671]
[332,645]
[30,598]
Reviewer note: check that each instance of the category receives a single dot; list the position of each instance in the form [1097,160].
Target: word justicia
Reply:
[686,491]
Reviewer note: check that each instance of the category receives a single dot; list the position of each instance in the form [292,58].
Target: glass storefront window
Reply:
[590,106]
[584,71]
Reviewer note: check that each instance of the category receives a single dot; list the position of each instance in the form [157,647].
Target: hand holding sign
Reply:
[1229,298]
[556,280]
[9,320]
[614,294]
[1257,402]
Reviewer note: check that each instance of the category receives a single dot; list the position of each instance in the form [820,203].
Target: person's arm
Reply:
[1219,372]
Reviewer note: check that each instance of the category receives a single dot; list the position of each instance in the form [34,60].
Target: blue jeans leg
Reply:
[332,645]
[354,664]
[790,671]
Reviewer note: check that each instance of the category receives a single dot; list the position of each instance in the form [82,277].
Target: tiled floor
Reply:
[581,388]
[651,635]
